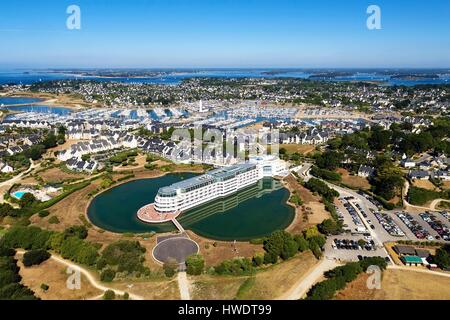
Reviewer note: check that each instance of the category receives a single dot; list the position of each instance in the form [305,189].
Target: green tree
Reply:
[107,275]
[170,267]
[109,295]
[34,152]
[195,264]
[50,141]
[35,257]
[442,257]
[80,232]
[27,200]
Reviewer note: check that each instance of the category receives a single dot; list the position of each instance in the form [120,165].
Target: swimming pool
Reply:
[18,194]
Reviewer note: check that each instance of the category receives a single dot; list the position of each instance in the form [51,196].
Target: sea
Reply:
[175,77]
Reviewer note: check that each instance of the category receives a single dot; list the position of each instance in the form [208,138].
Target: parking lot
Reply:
[364,220]
[438,226]
[348,248]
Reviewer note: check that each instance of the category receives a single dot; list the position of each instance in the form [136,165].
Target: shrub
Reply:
[109,295]
[80,232]
[26,238]
[44,286]
[127,255]
[420,196]
[53,220]
[80,251]
[170,267]
[258,260]
[236,266]
[338,277]
[35,257]
[442,256]
[107,275]
[195,264]
[316,185]
[257,241]
[16,291]
[43,213]
[329,226]
[27,200]
[280,244]
[302,244]
[326,174]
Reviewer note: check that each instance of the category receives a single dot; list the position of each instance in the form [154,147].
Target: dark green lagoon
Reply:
[251,213]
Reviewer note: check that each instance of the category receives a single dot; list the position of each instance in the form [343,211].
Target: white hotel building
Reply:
[215,184]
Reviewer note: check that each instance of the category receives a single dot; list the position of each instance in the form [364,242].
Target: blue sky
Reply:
[225,33]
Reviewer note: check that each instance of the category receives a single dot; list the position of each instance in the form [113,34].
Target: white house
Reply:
[407,163]
[6,168]
[365,171]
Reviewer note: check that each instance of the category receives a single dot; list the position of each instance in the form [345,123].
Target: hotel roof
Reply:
[211,177]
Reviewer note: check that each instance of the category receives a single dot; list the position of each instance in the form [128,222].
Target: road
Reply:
[183,285]
[92,280]
[305,283]
[303,171]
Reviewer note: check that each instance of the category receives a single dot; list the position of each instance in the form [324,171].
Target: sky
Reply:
[224,33]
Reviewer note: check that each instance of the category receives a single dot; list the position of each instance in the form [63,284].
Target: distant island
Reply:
[415,76]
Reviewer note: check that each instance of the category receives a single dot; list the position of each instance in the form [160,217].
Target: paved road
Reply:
[92,280]
[183,285]
[305,283]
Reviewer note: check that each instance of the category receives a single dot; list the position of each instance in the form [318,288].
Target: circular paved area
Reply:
[178,248]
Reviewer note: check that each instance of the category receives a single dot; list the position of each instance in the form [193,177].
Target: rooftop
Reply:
[211,177]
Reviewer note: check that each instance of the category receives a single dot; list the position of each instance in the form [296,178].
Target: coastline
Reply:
[51,100]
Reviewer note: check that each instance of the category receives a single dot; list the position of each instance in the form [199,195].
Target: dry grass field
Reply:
[399,285]
[352,181]
[300,148]
[54,275]
[56,175]
[266,285]
[215,251]
[311,212]
[424,184]
[151,289]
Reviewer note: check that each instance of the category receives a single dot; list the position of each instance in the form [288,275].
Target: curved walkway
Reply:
[435,202]
[406,204]
[92,280]
[301,288]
